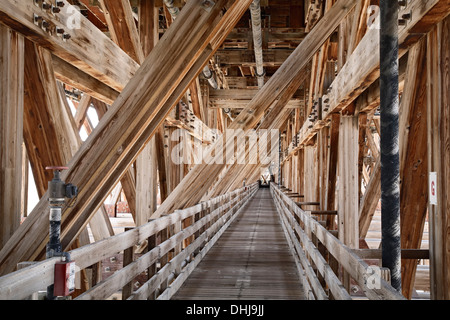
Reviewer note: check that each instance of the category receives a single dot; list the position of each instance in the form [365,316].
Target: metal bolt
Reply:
[407,16]
[401,22]
[59,4]
[402,3]
[208,4]
[67,36]
[46,6]
[56,10]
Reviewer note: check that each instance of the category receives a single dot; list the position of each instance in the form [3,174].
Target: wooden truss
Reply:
[143,70]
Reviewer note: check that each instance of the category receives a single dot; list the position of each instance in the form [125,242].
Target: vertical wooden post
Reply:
[146,184]
[348,222]
[163,235]
[414,164]
[128,257]
[439,157]
[96,276]
[310,180]
[147,163]
[332,169]
[151,271]
[11,130]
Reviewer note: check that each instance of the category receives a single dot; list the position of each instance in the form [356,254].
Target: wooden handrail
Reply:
[350,261]
[23,283]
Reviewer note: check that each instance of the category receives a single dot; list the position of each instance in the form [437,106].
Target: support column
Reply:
[11,131]
[348,225]
[390,161]
[348,222]
[438,87]
[146,184]
[146,162]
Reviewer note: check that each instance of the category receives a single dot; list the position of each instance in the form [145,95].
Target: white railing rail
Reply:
[182,246]
[302,230]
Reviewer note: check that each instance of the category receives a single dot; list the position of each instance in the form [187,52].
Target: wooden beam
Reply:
[122,27]
[128,181]
[11,131]
[93,7]
[246,58]
[348,182]
[438,115]
[363,123]
[80,115]
[204,175]
[146,184]
[362,67]
[414,168]
[88,48]
[236,173]
[142,107]
[244,94]
[149,37]
[50,131]
[241,104]
[68,74]
[49,139]
[332,168]
[410,254]
[370,200]
[348,186]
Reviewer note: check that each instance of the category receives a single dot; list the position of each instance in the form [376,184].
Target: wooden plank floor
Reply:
[251,261]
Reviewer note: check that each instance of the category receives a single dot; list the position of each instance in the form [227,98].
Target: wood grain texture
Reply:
[114,145]
[263,267]
[11,130]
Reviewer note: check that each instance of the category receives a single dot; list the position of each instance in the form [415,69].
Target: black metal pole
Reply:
[390,160]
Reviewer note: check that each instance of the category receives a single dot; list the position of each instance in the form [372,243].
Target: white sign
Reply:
[433,188]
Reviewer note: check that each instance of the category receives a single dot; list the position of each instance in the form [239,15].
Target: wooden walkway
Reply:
[251,261]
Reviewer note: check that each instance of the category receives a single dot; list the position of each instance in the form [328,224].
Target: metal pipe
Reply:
[58,191]
[255,11]
[228,113]
[390,161]
[207,73]
[174,12]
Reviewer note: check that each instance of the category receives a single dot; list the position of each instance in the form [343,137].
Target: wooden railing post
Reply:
[151,270]
[177,227]
[128,257]
[163,260]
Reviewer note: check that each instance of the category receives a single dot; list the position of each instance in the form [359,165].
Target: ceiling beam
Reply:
[362,67]
[202,176]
